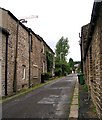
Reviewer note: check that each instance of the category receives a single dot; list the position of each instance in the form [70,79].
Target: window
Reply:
[35,71]
[43,49]
[23,72]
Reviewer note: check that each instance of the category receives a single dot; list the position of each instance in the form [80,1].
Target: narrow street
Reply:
[50,101]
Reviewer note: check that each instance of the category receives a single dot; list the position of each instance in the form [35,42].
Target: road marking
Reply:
[49,100]
[60,88]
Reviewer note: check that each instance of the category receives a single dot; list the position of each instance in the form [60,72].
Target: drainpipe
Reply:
[15,62]
[81,50]
[6,66]
[29,41]
[6,33]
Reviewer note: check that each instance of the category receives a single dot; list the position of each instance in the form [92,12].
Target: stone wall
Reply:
[0,56]
[26,59]
[92,64]
[11,26]
[84,39]
[22,59]
[35,63]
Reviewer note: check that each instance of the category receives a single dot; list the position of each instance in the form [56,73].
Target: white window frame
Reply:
[35,71]
[43,49]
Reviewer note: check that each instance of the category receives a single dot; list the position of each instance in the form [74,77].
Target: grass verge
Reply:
[85,88]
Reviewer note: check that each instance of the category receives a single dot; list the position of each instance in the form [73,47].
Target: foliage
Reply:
[46,76]
[69,69]
[62,49]
[58,72]
[49,58]
[85,87]
[62,67]
[71,63]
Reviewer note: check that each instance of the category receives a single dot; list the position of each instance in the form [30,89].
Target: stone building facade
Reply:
[34,59]
[21,53]
[91,55]
[44,49]
[17,54]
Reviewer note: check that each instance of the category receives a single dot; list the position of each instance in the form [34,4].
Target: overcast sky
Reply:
[56,18]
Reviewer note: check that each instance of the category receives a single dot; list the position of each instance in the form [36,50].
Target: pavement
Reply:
[82,106]
[74,104]
[87,109]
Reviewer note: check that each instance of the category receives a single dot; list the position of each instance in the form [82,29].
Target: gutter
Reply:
[6,64]
[29,41]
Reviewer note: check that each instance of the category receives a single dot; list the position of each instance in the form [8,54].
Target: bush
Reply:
[85,87]
[58,72]
[46,76]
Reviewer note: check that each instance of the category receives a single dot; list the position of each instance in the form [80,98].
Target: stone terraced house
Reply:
[21,52]
[91,55]
[44,49]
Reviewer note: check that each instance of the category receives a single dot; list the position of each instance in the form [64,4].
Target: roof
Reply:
[97,0]
[17,20]
[39,37]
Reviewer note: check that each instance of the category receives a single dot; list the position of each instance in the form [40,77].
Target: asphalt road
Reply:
[50,101]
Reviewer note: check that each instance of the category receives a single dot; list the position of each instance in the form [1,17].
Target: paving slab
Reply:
[73,114]
[74,104]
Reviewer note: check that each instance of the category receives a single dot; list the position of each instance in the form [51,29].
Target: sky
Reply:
[56,18]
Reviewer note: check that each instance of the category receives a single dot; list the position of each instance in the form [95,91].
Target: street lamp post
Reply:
[23,21]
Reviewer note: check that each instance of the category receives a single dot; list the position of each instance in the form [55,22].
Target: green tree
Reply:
[62,50]
[71,63]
